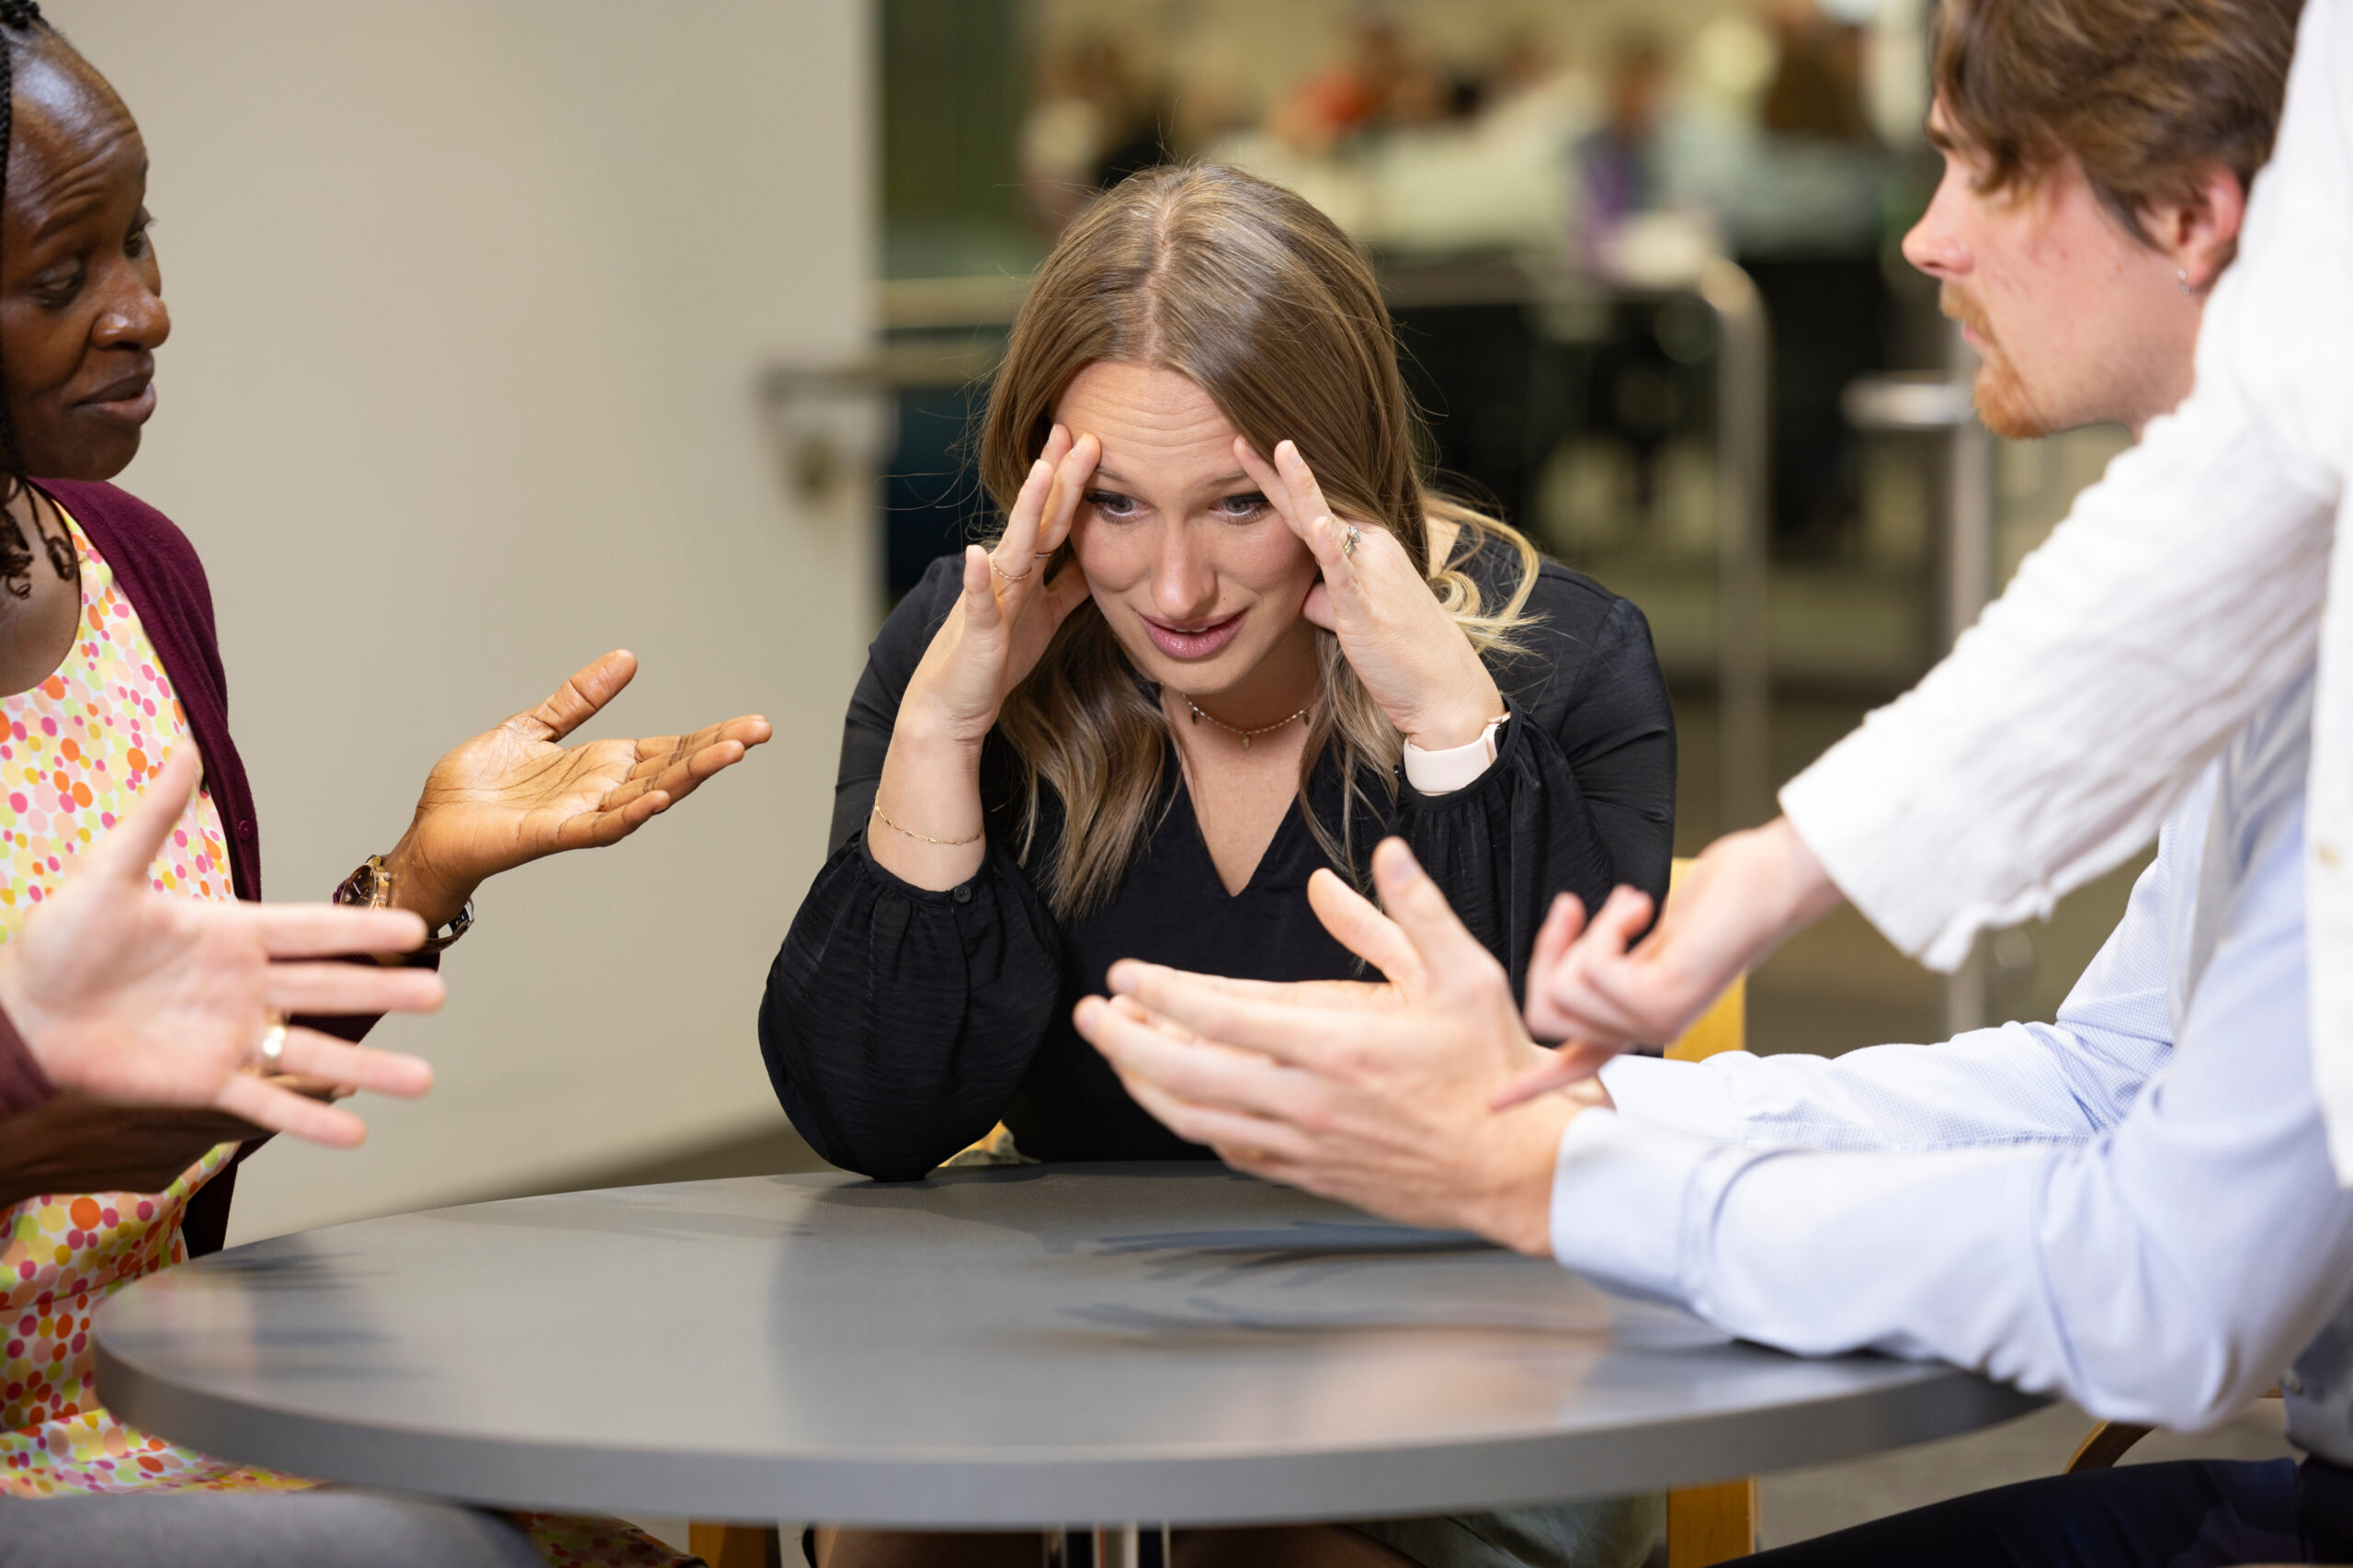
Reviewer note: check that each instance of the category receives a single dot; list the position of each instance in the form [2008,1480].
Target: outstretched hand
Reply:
[515,792]
[1596,987]
[1411,656]
[1376,1095]
[136,997]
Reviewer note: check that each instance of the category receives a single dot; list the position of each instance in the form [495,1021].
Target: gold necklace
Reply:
[1199,715]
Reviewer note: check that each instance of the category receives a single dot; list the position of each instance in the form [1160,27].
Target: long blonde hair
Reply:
[1261,301]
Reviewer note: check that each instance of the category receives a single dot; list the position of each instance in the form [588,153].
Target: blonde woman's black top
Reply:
[901,1023]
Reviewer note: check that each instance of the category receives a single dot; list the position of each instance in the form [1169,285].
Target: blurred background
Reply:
[511,331]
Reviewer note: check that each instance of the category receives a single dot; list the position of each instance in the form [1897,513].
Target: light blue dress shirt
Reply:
[2133,1208]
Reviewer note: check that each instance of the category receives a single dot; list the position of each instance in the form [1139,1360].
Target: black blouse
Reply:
[900,1024]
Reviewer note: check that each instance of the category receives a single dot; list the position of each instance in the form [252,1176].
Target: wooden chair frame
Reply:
[1707,1525]
[738,1546]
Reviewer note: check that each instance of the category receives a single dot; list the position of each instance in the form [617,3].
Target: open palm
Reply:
[515,792]
[134,996]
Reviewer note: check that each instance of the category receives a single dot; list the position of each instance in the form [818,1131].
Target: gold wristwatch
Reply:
[370,887]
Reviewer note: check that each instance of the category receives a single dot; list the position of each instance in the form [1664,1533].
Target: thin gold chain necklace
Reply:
[1199,714]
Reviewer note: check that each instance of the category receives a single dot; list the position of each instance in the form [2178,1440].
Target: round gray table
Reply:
[1011,1346]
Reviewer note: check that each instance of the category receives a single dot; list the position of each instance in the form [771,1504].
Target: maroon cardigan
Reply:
[158,571]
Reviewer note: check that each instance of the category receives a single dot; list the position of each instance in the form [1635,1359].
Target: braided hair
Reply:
[18,17]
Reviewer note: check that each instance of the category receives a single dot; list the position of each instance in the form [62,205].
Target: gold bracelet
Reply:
[925,838]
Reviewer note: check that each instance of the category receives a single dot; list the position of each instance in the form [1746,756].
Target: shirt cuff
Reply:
[1619,1193]
[23,1085]
[1845,809]
[1682,1096]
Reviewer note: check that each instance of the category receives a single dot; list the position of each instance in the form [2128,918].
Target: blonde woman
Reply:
[1228,635]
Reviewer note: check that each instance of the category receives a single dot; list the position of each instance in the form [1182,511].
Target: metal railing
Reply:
[1744,658]
[1938,406]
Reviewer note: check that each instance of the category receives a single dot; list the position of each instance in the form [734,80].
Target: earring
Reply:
[2183,273]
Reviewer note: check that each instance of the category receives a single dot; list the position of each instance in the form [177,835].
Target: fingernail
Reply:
[1398,864]
[1089,1013]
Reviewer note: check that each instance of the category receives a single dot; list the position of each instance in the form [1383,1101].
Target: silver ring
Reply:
[271,1048]
[1349,538]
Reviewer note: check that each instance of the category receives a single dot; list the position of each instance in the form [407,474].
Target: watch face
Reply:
[362,887]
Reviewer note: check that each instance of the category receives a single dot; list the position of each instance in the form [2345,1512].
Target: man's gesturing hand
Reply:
[1597,989]
[1378,1095]
[133,996]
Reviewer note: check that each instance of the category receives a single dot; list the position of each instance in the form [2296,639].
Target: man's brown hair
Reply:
[2148,94]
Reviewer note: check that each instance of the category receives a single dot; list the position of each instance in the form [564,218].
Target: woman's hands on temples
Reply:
[1410,653]
[515,792]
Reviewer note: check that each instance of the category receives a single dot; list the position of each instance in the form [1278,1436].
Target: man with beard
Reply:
[2180,595]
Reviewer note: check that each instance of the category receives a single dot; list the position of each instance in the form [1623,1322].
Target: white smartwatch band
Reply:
[1443,772]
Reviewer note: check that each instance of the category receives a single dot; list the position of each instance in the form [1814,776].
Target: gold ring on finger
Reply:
[1008,576]
[270,1050]
[1351,537]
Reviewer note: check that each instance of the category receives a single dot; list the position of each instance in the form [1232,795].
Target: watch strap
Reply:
[1456,767]
[370,887]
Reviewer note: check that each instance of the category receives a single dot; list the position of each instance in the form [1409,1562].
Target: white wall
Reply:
[469,297]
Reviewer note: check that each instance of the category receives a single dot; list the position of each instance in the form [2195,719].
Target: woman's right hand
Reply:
[1008,611]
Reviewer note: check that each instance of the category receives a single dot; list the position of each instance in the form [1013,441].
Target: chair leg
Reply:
[2105,1444]
[736,1546]
[1707,1525]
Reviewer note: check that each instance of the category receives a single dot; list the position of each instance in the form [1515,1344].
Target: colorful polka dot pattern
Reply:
[61,1256]
[78,747]
[75,750]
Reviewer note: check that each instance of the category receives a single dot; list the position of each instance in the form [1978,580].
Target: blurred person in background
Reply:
[1816,90]
[1810,230]
[109,665]
[1097,118]
[1617,162]
[1080,101]
[1522,63]
[1229,636]
[1387,81]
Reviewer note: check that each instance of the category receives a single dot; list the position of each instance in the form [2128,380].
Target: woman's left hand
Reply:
[514,793]
[1409,653]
